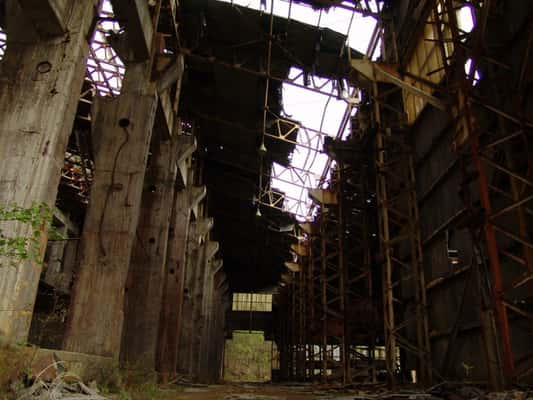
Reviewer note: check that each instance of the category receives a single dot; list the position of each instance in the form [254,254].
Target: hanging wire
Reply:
[262,148]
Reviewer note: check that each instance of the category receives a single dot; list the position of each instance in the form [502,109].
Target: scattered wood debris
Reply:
[65,386]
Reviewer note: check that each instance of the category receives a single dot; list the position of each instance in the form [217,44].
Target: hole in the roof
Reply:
[105,68]
[477,75]
[3,43]
[466,19]
[315,106]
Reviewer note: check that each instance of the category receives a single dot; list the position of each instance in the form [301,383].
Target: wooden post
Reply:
[123,130]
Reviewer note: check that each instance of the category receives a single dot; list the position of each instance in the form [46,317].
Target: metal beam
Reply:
[377,72]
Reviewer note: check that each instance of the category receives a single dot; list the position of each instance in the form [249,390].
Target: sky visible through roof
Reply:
[317,113]
[314,111]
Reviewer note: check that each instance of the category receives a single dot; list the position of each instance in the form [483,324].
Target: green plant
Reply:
[38,218]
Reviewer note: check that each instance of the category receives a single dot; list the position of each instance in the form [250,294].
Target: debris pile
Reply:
[65,386]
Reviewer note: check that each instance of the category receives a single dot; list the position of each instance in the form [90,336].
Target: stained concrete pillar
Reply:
[206,316]
[202,294]
[208,344]
[144,287]
[196,249]
[171,311]
[215,342]
[40,80]
[122,131]
[222,307]
[186,197]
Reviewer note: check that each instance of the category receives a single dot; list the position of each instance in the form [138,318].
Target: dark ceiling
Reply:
[223,93]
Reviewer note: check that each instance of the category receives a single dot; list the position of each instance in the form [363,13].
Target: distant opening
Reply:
[248,357]
[252,302]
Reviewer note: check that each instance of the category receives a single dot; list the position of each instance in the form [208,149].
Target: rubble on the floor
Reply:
[251,396]
[65,386]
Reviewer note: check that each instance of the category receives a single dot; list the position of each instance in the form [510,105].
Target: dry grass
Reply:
[15,361]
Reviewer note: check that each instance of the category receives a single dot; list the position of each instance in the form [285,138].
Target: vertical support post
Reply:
[324,302]
[144,288]
[344,345]
[400,247]
[123,128]
[171,311]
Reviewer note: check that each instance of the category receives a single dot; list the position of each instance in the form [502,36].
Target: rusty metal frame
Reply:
[358,268]
[400,247]
[501,182]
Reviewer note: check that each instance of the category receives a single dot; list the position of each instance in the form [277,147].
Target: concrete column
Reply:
[193,258]
[206,316]
[216,330]
[171,311]
[223,306]
[196,249]
[122,130]
[144,287]
[40,80]
[209,341]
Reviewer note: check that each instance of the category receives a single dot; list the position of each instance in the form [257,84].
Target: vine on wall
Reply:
[25,247]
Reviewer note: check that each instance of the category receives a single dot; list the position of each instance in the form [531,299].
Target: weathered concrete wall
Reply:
[39,78]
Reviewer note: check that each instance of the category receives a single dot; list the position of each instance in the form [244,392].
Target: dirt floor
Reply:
[261,392]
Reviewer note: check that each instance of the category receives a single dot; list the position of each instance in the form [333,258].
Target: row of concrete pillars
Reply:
[147,287]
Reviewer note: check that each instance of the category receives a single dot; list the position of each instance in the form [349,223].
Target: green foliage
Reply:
[38,218]
[248,358]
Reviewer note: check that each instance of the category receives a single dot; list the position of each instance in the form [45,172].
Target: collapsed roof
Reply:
[224,87]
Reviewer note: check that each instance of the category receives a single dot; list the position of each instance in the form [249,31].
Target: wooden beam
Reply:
[377,72]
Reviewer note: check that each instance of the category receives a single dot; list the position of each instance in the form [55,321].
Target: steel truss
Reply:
[497,159]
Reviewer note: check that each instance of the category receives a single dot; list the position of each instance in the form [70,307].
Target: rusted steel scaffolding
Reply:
[333,324]
[493,143]
[360,311]
[404,293]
